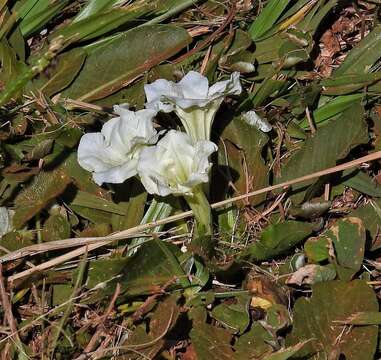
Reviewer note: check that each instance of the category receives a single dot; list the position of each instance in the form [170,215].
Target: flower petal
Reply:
[154,93]
[231,86]
[116,174]
[193,86]
[112,154]
[93,154]
[175,165]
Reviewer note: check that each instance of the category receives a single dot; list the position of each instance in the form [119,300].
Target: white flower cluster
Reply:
[128,144]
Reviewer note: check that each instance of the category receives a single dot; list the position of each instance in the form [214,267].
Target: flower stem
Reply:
[202,242]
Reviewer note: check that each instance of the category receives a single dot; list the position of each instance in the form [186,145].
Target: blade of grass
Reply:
[69,307]
[267,18]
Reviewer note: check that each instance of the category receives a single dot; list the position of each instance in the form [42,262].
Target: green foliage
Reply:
[291,273]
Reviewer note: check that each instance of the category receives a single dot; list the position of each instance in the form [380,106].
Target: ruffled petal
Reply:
[175,165]
[231,86]
[193,86]
[154,93]
[93,154]
[116,174]
[112,154]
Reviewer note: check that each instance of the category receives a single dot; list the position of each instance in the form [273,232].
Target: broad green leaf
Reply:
[315,319]
[63,73]
[82,178]
[240,154]
[284,354]
[317,249]
[254,344]
[348,238]
[210,342]
[10,65]
[44,188]
[57,227]
[131,198]
[331,143]
[92,201]
[153,265]
[310,209]
[234,317]
[370,214]
[363,318]
[15,240]
[277,239]
[112,66]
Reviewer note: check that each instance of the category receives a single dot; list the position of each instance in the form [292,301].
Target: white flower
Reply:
[252,118]
[175,165]
[194,102]
[112,155]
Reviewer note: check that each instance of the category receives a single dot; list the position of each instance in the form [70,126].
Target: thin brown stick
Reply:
[8,310]
[96,242]
[210,38]
[91,344]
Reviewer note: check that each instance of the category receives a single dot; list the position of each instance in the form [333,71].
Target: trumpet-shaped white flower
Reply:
[176,165]
[194,102]
[112,154]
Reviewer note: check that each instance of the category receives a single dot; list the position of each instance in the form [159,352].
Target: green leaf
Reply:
[210,342]
[348,238]
[316,319]
[277,239]
[91,201]
[317,249]
[370,214]
[44,188]
[361,181]
[254,344]
[63,73]
[40,14]
[82,178]
[363,55]
[332,108]
[96,6]
[234,316]
[161,321]
[363,318]
[154,265]
[240,154]
[57,227]
[157,210]
[331,143]
[267,18]
[285,354]
[15,240]
[113,65]
[345,84]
